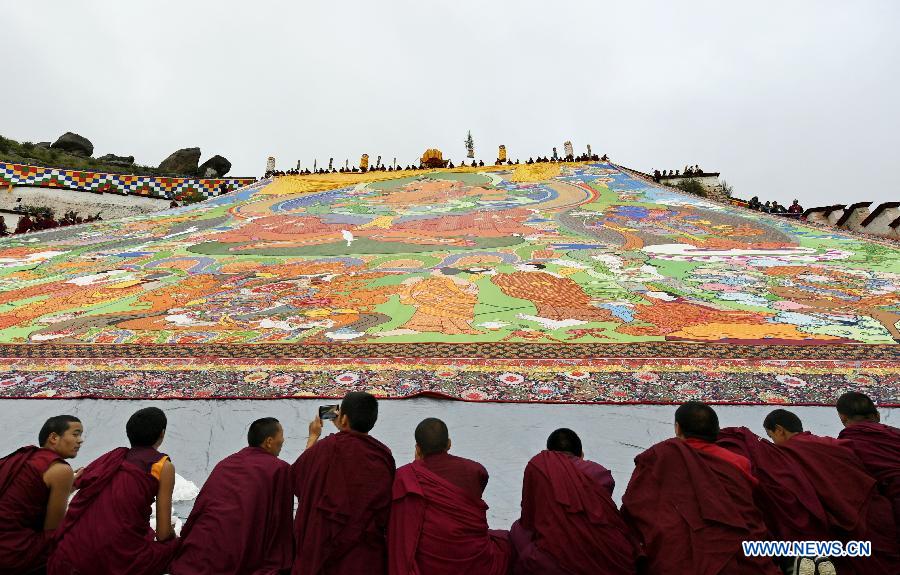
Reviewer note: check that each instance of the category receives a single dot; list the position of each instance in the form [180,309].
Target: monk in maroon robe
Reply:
[788,500]
[438,518]
[570,525]
[35,484]
[107,528]
[24,225]
[877,445]
[691,503]
[854,509]
[343,489]
[241,521]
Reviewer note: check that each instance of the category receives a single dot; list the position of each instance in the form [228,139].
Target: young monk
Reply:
[877,445]
[787,498]
[569,523]
[35,484]
[438,519]
[107,528]
[691,502]
[855,510]
[343,489]
[785,495]
[241,521]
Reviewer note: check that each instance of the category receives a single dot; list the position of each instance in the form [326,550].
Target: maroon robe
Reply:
[692,509]
[343,489]
[569,523]
[788,500]
[25,225]
[24,545]
[106,530]
[878,447]
[241,521]
[468,475]
[437,528]
[854,508]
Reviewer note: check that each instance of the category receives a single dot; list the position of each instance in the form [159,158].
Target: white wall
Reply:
[834,216]
[817,218]
[502,436]
[880,227]
[707,181]
[110,206]
[854,222]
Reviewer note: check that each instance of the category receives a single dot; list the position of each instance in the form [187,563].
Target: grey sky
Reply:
[786,99]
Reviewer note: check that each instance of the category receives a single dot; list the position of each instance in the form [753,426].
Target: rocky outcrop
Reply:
[114,159]
[43,145]
[215,167]
[183,162]
[74,144]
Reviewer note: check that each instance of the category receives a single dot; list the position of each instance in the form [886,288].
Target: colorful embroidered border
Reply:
[481,351]
[150,186]
[609,380]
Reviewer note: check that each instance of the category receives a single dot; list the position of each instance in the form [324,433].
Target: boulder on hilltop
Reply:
[215,167]
[184,161]
[74,144]
[114,159]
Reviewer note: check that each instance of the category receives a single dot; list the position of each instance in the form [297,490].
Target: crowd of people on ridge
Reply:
[691,502]
[773,207]
[569,158]
[348,170]
[689,171]
[45,221]
[795,210]
[450,164]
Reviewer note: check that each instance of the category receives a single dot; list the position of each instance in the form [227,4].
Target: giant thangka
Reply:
[545,282]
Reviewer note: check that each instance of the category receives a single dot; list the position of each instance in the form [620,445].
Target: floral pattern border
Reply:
[650,381]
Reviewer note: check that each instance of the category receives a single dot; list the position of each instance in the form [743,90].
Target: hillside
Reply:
[32,154]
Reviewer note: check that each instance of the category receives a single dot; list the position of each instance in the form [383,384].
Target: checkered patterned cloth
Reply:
[149,186]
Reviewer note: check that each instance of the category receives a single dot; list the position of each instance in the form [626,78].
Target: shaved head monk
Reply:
[343,488]
[438,518]
[241,521]
[107,528]
[35,484]
[691,502]
[854,508]
[877,445]
[569,523]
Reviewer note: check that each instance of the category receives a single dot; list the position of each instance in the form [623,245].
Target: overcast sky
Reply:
[786,99]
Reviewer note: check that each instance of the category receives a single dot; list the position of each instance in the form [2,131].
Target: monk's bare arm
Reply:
[59,479]
[164,527]
[315,432]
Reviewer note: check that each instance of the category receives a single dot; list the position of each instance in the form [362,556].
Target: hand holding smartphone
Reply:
[328,411]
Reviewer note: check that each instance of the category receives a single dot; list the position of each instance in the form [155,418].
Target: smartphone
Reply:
[328,411]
